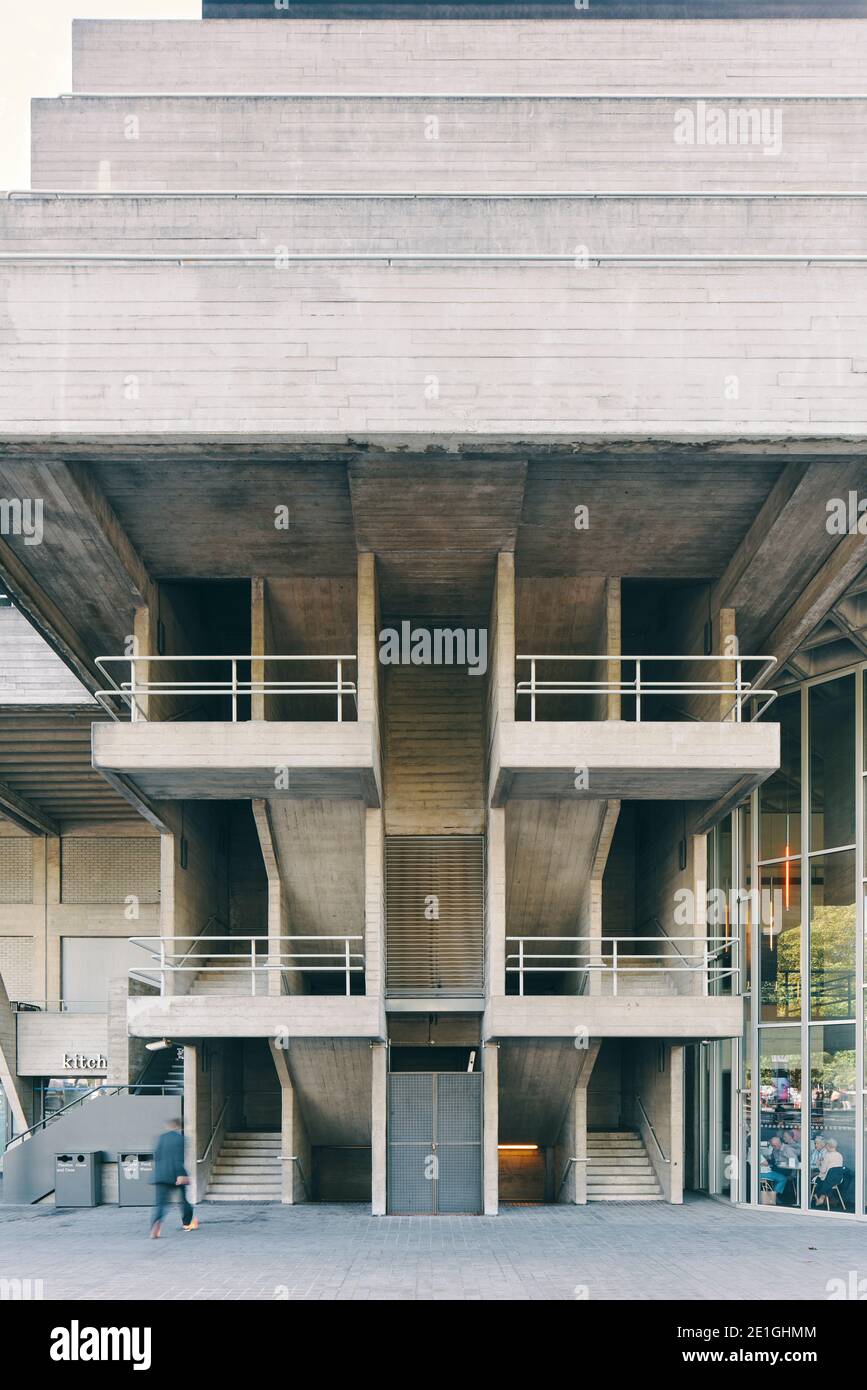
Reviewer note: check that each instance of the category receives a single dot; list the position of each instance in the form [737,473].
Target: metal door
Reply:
[434,1142]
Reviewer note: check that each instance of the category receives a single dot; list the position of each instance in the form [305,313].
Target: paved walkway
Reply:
[702,1250]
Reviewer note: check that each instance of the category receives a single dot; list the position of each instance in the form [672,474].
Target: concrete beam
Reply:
[571,1016]
[24,814]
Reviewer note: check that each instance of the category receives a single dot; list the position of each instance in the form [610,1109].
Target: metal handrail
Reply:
[214,1130]
[345,961]
[606,957]
[661,929]
[567,1169]
[89,1094]
[652,1130]
[130,692]
[742,690]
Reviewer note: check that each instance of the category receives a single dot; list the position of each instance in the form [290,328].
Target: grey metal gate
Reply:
[434,1142]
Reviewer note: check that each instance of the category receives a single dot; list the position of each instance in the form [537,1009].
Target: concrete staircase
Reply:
[618,1168]
[222,981]
[248,1168]
[638,978]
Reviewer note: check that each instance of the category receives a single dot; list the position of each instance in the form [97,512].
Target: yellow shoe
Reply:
[193,1226]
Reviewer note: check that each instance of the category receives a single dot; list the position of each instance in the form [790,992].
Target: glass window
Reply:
[832,935]
[781,940]
[832,763]
[780,795]
[780,1140]
[745,906]
[832,1115]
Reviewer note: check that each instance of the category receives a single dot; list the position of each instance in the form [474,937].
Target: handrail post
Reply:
[253,962]
[234,690]
[346,960]
[738,701]
[340,691]
[638,690]
[521,966]
[614,967]
[132,690]
[162,965]
[706,967]
[532,695]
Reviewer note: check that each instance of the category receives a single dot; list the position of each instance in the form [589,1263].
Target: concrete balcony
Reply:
[705,753]
[586,1016]
[229,986]
[236,757]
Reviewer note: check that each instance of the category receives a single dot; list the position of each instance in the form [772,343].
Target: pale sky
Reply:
[35,61]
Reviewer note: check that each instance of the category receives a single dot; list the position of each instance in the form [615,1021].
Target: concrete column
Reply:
[258,643]
[295,1149]
[167,903]
[491,1129]
[118,1073]
[194,1141]
[374,902]
[378,1127]
[570,1177]
[613,644]
[676,1069]
[497,926]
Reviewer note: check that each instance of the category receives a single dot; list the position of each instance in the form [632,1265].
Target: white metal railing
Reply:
[619,956]
[253,956]
[739,688]
[127,694]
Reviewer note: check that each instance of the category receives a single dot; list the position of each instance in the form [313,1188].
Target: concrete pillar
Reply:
[491,1129]
[378,1127]
[676,1069]
[495,898]
[570,1178]
[374,902]
[295,1148]
[118,1073]
[613,646]
[194,1142]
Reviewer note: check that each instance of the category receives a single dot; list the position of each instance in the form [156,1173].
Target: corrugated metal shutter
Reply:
[435,914]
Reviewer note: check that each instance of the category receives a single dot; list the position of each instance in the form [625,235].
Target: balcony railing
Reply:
[739,687]
[127,695]
[247,961]
[620,959]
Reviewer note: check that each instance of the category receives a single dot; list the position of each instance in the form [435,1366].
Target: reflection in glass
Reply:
[780,796]
[832,1115]
[780,1138]
[745,913]
[832,763]
[832,935]
[780,908]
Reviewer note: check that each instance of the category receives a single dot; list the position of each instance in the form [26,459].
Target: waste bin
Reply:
[78,1179]
[135,1173]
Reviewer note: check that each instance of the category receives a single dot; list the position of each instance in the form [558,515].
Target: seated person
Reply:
[830,1165]
[782,1155]
[792,1138]
[778,1180]
[816,1152]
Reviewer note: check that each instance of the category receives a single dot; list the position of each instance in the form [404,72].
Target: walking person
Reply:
[171,1176]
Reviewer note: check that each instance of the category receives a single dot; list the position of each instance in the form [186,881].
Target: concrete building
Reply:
[432,532]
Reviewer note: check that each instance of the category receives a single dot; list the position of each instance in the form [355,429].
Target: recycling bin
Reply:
[78,1178]
[135,1174]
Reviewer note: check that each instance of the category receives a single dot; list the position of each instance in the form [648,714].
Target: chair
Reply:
[837,1183]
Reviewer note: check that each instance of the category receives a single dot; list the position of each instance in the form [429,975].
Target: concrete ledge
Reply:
[720,1016]
[220,761]
[245,1016]
[682,761]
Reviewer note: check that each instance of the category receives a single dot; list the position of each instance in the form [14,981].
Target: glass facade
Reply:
[797,1082]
